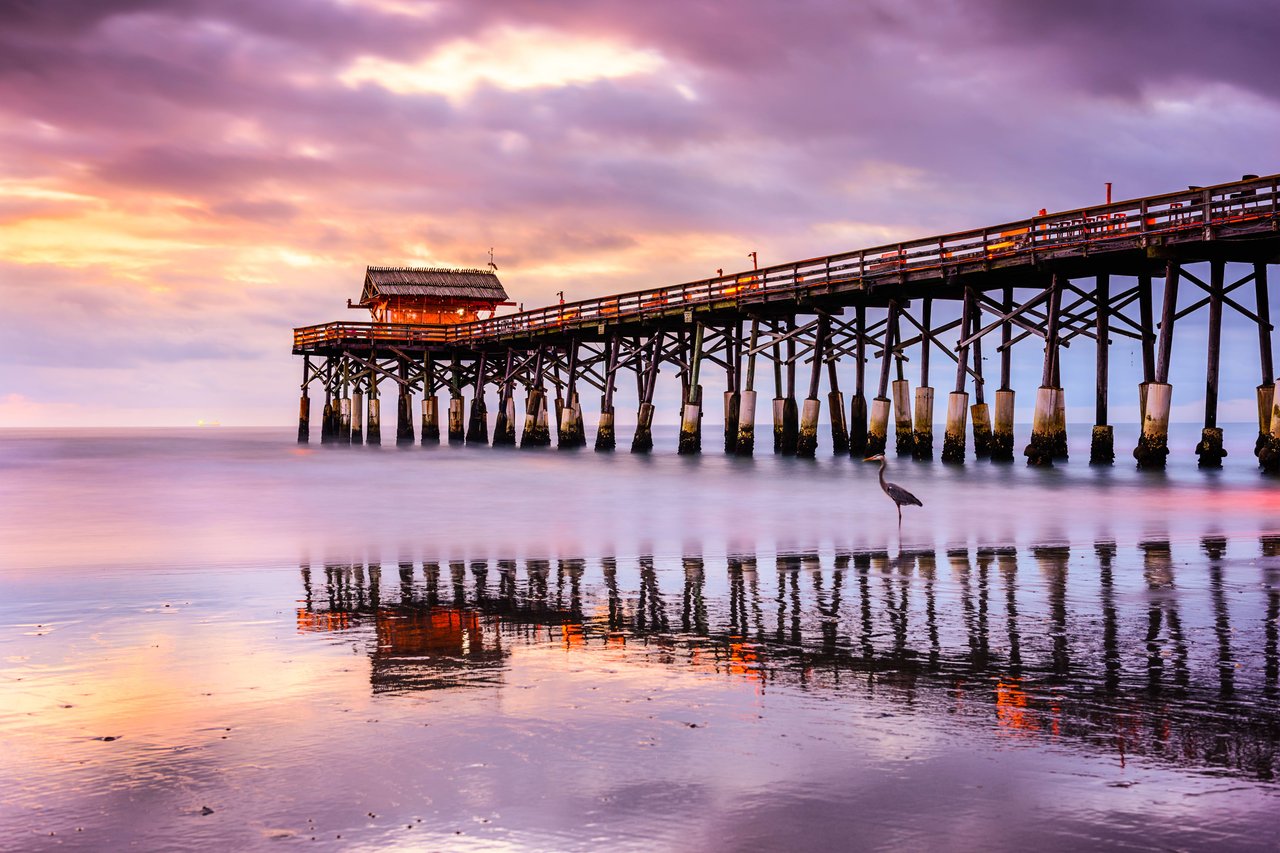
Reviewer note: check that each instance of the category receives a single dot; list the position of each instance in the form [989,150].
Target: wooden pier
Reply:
[1048,277]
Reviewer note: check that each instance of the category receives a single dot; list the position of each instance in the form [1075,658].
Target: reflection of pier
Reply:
[1112,655]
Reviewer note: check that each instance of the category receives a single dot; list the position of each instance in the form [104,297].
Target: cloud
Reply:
[194,177]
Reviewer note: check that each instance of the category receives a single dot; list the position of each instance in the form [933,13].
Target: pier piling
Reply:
[746,441]
[1102,449]
[1210,449]
[1153,444]
[1048,425]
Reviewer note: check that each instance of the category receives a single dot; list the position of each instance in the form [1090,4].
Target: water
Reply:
[478,649]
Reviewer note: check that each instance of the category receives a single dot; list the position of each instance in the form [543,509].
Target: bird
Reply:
[900,496]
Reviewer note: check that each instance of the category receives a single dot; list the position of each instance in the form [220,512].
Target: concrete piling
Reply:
[404,418]
[504,423]
[373,437]
[1048,430]
[878,429]
[326,422]
[569,432]
[643,440]
[478,422]
[839,431]
[982,436]
[922,438]
[732,403]
[1269,455]
[903,430]
[1002,442]
[606,438]
[1210,449]
[746,443]
[1156,397]
[456,421]
[1266,402]
[779,405]
[858,425]
[691,423]
[430,419]
[344,421]
[790,426]
[1153,444]
[304,419]
[357,418]
[807,439]
[536,432]
[953,439]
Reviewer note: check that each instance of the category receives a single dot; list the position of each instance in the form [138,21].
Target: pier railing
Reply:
[1211,211]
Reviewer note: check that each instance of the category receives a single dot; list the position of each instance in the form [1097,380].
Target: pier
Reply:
[790,326]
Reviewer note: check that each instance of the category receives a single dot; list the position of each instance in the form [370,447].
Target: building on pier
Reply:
[429,296]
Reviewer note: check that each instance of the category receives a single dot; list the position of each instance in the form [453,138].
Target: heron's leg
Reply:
[899,506]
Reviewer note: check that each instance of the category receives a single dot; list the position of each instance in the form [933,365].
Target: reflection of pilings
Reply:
[693,615]
[862,565]
[1053,565]
[1162,609]
[1007,563]
[651,613]
[431,583]
[458,578]
[927,568]
[1215,548]
[406,582]
[573,571]
[958,558]
[1106,552]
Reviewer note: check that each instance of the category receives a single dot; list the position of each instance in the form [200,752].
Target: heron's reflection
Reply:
[1054,652]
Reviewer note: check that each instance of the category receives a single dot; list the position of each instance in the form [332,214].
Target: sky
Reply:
[184,181]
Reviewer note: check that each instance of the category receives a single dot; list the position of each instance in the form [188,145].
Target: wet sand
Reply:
[1114,687]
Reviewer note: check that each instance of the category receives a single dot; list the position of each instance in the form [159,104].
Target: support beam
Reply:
[835,400]
[746,443]
[504,422]
[790,410]
[691,414]
[878,429]
[922,430]
[643,440]
[1102,450]
[953,440]
[1002,440]
[1048,428]
[536,431]
[733,385]
[807,438]
[606,436]
[478,423]
[858,406]
[1153,444]
[1210,449]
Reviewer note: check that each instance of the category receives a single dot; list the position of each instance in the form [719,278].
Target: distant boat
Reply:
[208,423]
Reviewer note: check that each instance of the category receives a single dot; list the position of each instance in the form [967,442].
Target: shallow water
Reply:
[473,649]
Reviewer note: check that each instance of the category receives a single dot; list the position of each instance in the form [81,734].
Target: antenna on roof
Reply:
[492,265]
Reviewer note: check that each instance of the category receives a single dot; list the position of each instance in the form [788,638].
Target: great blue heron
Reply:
[900,496]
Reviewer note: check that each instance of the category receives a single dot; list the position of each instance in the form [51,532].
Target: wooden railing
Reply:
[1224,206]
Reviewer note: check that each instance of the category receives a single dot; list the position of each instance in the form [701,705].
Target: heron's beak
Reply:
[871,459]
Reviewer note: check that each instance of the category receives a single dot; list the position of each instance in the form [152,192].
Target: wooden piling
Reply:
[1002,440]
[606,437]
[504,422]
[536,432]
[404,407]
[430,420]
[569,427]
[922,430]
[979,412]
[903,430]
[478,423]
[304,419]
[373,432]
[746,441]
[779,403]
[878,429]
[953,440]
[733,392]
[858,405]
[835,402]
[1266,389]
[691,415]
[790,410]
[807,438]
[1102,449]
[1210,449]
[357,417]
[643,440]
[1153,444]
[1048,427]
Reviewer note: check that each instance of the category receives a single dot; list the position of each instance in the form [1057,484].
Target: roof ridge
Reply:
[429,269]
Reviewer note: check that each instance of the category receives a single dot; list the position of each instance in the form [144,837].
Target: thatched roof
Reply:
[478,285]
